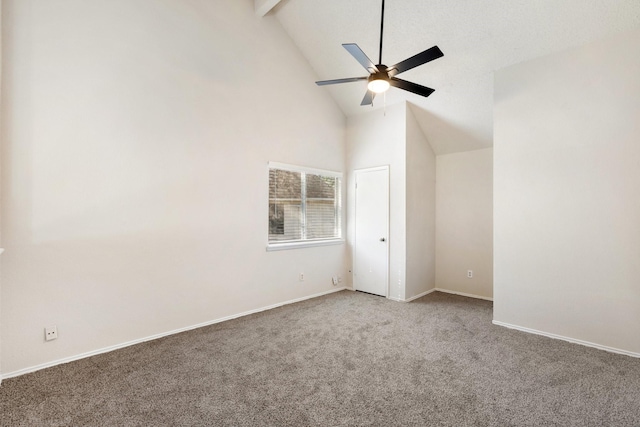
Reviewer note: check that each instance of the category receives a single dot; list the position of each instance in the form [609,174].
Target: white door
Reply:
[371,249]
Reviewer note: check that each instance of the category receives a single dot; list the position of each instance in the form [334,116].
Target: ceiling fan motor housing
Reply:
[381,74]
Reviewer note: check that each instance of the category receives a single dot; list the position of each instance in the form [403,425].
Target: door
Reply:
[371,249]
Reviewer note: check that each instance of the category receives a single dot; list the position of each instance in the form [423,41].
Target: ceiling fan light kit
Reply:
[378,83]
[382,77]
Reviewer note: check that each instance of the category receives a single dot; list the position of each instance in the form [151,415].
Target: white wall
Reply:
[375,139]
[135,143]
[394,138]
[420,211]
[567,208]
[1,38]
[464,222]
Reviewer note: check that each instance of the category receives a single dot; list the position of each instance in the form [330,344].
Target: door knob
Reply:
[382,239]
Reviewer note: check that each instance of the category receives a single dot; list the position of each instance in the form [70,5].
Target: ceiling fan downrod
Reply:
[381,31]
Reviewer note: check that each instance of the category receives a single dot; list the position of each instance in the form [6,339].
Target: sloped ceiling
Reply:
[477,38]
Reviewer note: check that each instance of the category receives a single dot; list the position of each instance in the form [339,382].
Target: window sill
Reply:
[306,244]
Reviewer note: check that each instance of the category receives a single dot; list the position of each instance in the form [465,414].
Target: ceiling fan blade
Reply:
[361,57]
[416,60]
[347,80]
[411,87]
[368,98]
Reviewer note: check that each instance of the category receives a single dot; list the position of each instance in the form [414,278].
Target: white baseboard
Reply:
[156,336]
[563,338]
[462,294]
[420,295]
[413,297]
[446,291]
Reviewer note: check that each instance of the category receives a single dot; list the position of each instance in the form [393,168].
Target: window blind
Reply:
[304,204]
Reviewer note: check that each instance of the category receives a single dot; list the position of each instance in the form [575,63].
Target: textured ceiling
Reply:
[477,38]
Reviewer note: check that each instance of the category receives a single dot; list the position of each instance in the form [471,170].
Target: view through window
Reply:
[304,205]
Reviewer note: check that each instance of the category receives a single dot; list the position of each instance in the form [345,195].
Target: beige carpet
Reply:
[347,359]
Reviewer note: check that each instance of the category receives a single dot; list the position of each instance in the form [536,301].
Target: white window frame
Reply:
[294,244]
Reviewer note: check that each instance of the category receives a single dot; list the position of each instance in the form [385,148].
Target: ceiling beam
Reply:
[264,6]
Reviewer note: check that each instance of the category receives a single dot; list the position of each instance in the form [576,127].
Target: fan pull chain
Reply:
[384,100]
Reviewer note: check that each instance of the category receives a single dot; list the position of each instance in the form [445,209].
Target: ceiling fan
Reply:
[380,76]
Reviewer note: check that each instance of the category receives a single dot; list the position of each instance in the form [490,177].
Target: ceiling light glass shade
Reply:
[378,85]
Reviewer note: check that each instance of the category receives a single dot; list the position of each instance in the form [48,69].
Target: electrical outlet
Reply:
[301,277]
[334,280]
[470,274]
[339,279]
[50,333]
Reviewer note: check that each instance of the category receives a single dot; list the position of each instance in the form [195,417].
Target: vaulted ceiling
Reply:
[477,38]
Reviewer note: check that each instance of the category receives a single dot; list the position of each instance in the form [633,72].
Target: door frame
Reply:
[356,172]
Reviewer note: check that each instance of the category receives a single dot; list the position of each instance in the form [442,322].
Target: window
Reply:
[304,206]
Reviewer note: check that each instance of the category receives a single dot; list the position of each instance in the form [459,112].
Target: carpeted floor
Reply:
[346,359]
